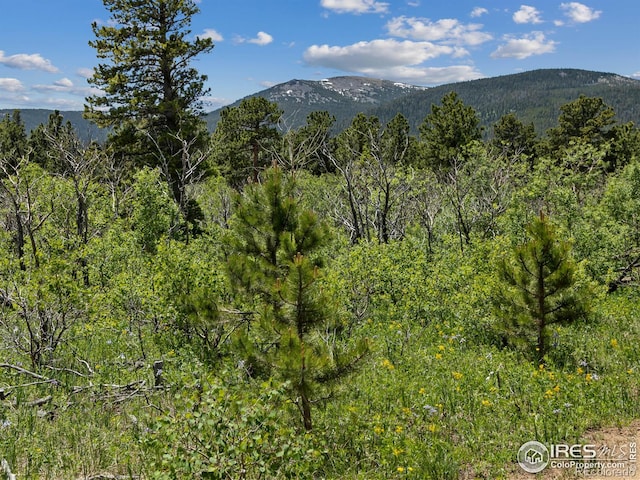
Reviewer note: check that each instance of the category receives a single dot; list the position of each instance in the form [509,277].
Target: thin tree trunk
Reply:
[541,315]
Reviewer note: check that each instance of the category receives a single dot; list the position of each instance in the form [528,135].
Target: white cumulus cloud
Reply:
[85,72]
[11,85]
[64,83]
[524,47]
[374,55]
[261,38]
[212,34]
[446,30]
[527,14]
[391,59]
[478,12]
[26,61]
[66,86]
[355,6]
[430,75]
[579,13]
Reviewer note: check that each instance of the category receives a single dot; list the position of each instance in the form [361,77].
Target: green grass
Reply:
[436,398]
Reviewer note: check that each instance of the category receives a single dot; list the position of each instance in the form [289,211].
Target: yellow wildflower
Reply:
[614,343]
[400,469]
[438,356]
[457,375]
[399,429]
[486,403]
[378,429]
[387,364]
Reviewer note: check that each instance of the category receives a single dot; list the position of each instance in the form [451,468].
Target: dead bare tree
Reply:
[303,148]
[78,164]
[22,218]
[376,184]
[189,171]
[41,316]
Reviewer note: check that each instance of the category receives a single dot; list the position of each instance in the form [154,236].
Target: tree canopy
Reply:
[150,93]
[447,130]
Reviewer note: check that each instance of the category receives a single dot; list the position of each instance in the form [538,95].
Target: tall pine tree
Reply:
[150,93]
[275,261]
[540,288]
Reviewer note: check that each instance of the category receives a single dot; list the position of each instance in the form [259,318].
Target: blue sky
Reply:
[45,58]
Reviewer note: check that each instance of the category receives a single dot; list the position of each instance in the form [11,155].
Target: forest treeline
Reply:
[259,303]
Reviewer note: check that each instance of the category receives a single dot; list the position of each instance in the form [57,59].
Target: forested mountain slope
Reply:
[535,97]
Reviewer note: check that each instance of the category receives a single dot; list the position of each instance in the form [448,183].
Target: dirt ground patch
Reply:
[619,441]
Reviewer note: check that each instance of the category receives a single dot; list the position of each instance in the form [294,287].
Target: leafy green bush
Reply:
[218,430]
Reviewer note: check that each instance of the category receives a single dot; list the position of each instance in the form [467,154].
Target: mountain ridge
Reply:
[342,96]
[534,96]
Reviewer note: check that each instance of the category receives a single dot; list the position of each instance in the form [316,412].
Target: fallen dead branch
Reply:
[24,371]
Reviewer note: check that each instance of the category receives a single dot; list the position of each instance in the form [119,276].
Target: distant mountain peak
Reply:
[361,90]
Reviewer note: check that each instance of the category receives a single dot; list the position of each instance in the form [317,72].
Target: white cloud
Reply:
[11,85]
[446,30]
[527,14]
[13,100]
[478,12]
[636,75]
[51,88]
[580,13]
[64,85]
[212,34]
[25,61]
[211,103]
[393,60]
[61,103]
[85,72]
[355,6]
[430,75]
[521,48]
[366,57]
[64,82]
[261,38]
